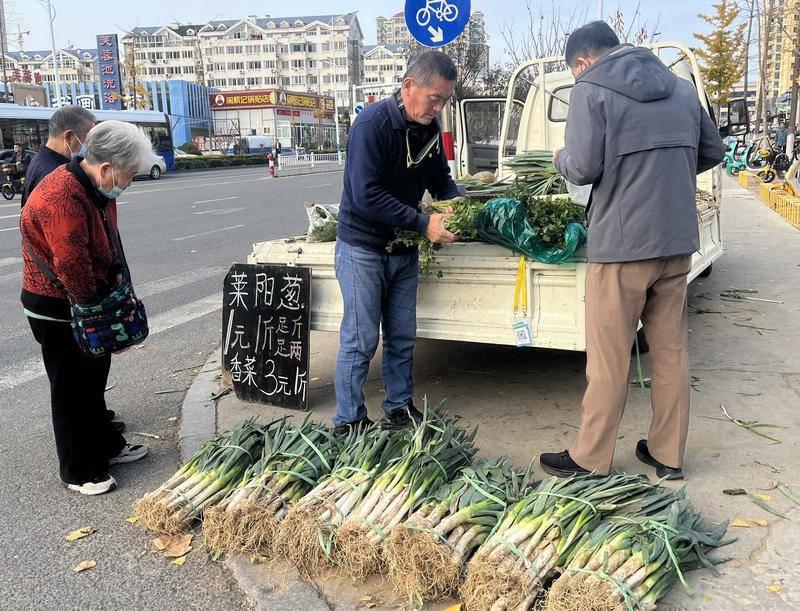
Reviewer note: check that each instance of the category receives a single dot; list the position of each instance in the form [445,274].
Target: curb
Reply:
[198,425]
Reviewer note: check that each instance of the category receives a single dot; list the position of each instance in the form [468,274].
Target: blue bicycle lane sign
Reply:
[434,23]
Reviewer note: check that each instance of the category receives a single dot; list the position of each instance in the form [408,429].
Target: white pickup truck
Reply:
[472,299]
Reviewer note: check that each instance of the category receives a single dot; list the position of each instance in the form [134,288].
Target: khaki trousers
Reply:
[618,295]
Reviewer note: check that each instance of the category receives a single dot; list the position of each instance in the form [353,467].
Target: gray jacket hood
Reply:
[634,72]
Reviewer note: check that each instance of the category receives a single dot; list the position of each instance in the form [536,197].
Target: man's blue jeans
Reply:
[377,289]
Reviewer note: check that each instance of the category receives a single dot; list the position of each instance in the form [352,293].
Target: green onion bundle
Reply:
[437,449]
[539,535]
[292,462]
[536,171]
[306,535]
[203,481]
[426,555]
[630,562]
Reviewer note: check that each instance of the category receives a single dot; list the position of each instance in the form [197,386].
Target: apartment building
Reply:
[384,67]
[74,66]
[319,54]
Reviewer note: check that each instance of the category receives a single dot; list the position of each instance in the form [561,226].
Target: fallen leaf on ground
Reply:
[80,533]
[314,379]
[456,607]
[763,523]
[775,588]
[763,497]
[85,566]
[172,418]
[179,546]
[132,520]
[180,561]
[162,542]
[740,523]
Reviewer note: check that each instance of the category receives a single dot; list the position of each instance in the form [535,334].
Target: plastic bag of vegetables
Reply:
[546,229]
[323,221]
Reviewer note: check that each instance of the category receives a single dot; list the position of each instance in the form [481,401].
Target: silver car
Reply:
[153,167]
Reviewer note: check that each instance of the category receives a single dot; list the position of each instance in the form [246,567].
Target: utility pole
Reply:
[51,13]
[600,10]
[3,49]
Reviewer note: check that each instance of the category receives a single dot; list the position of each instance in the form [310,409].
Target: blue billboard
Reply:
[108,65]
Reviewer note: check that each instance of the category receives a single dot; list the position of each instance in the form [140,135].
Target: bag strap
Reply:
[113,241]
[46,270]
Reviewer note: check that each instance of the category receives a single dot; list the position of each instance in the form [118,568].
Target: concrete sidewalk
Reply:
[744,354]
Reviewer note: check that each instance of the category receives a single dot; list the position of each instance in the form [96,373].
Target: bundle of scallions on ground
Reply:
[427,554]
[203,481]
[436,450]
[413,504]
[292,461]
[307,534]
[565,523]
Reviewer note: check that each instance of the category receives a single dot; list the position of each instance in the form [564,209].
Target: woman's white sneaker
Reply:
[97,486]
[129,453]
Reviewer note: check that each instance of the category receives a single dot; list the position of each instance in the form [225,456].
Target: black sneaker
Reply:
[343,429]
[117,426]
[561,464]
[111,414]
[662,470]
[403,417]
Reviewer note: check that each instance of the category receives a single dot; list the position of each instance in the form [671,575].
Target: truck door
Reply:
[478,124]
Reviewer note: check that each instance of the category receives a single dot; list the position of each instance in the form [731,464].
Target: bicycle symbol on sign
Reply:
[440,9]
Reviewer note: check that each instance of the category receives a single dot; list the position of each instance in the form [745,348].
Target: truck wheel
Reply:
[706,272]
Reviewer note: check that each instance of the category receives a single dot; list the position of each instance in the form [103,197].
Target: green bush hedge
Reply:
[221,161]
[191,148]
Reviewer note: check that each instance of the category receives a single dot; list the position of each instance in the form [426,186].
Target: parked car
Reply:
[153,168]
[6,154]
[180,153]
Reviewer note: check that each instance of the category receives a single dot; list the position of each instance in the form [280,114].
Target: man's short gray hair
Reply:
[430,65]
[76,119]
[118,143]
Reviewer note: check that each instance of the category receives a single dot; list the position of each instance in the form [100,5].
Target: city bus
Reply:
[27,125]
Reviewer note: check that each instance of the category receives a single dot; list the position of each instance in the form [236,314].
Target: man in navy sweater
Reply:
[394,153]
[67,130]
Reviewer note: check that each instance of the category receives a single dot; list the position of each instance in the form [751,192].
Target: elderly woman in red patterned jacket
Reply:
[65,224]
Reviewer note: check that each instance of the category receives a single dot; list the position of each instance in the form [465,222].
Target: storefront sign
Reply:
[267,98]
[108,65]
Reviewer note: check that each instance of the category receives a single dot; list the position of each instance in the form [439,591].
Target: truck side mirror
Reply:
[737,113]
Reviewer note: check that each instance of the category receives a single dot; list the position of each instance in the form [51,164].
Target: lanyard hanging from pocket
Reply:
[519,320]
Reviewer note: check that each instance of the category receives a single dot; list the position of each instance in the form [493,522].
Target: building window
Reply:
[285,81]
[253,80]
[270,80]
[283,48]
[298,63]
[298,48]
[269,63]
[254,65]
[235,65]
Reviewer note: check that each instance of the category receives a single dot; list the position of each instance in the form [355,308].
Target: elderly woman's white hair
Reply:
[118,143]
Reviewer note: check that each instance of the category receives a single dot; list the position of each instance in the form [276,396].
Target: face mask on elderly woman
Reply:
[115,191]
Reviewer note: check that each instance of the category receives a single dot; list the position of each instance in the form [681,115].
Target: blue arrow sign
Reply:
[435,23]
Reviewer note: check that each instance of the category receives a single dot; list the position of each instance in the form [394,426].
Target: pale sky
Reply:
[78,21]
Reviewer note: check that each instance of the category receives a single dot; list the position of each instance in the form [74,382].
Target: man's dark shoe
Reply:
[111,414]
[560,464]
[343,429]
[662,470]
[117,426]
[403,417]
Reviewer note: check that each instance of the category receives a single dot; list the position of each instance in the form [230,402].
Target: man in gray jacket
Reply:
[639,136]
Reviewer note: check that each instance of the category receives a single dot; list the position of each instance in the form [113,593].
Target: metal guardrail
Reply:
[311,159]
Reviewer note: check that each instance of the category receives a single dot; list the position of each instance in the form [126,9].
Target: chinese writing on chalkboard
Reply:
[266,333]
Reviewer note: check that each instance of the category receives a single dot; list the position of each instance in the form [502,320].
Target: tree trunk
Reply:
[769,14]
[747,60]
[791,120]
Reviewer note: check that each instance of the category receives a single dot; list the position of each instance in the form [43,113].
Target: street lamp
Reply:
[52,13]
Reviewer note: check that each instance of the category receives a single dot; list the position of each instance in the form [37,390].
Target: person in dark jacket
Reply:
[66,133]
[66,224]
[394,153]
[639,135]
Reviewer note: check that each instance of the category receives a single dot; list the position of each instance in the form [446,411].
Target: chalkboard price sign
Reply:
[265,333]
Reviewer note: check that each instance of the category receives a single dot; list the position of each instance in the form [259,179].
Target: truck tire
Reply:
[706,272]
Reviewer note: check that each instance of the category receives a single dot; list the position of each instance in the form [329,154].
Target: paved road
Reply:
[181,234]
